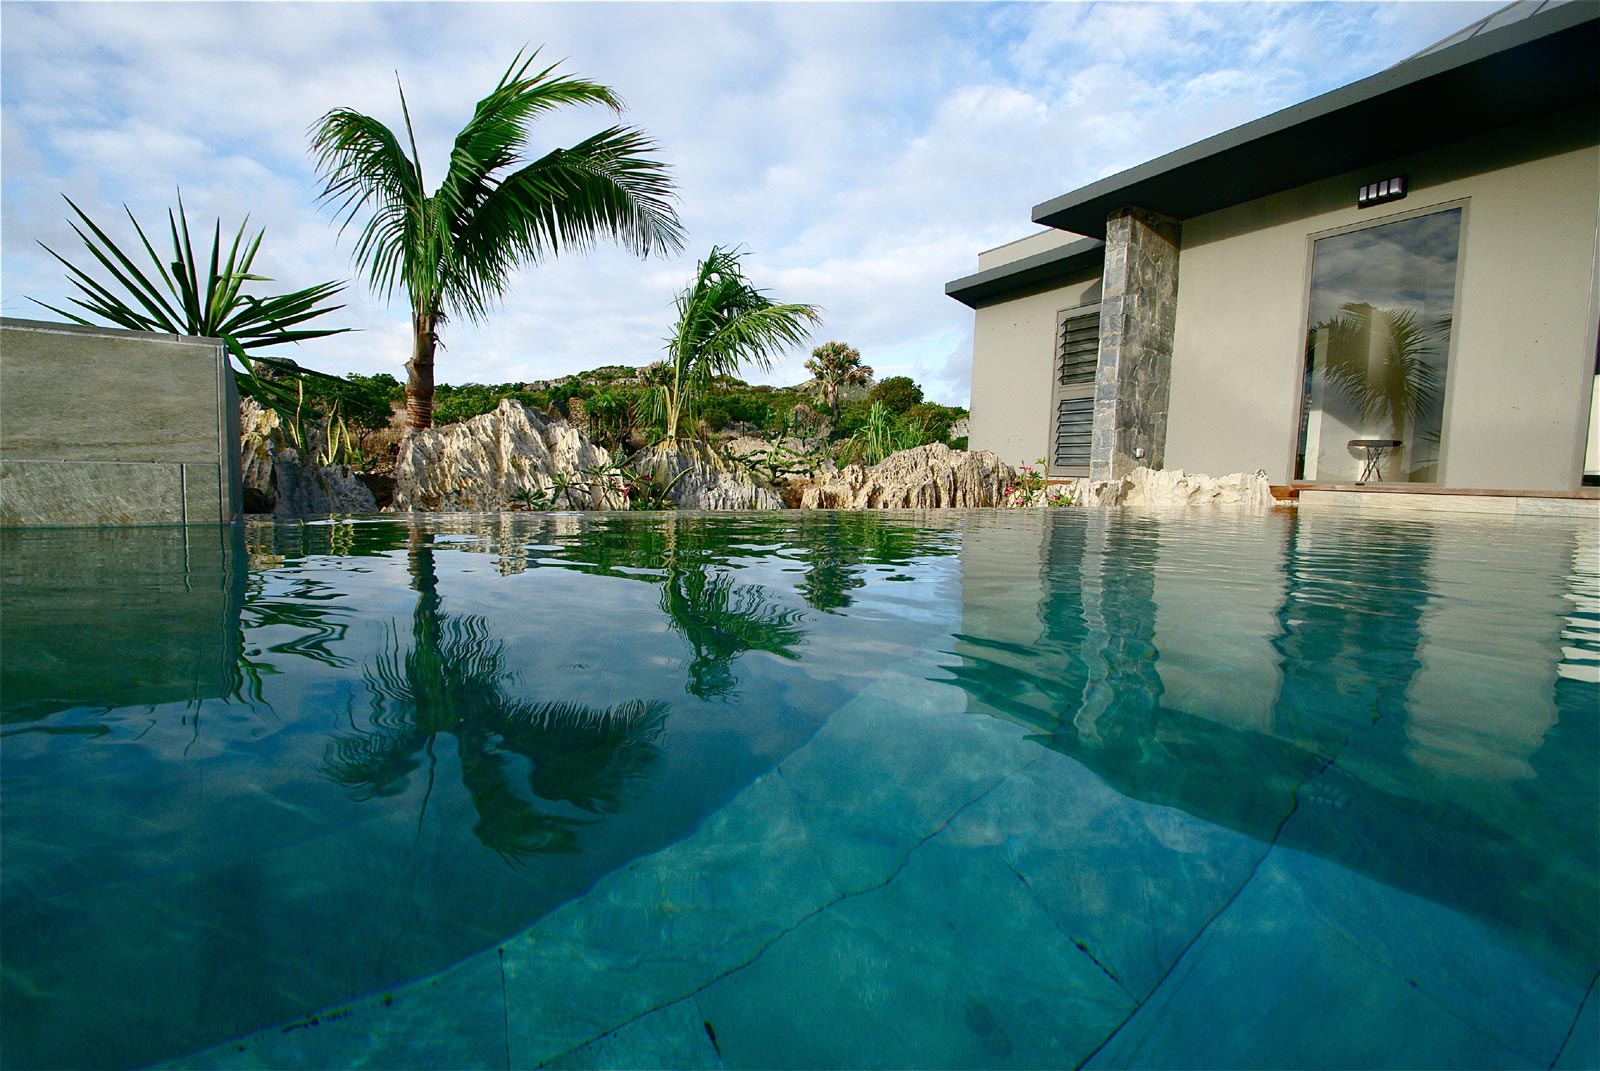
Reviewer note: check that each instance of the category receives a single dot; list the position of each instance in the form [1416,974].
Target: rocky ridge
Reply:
[278,481]
[502,459]
[926,477]
[697,477]
[1173,489]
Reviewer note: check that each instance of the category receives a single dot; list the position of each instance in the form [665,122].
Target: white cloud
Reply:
[863,153]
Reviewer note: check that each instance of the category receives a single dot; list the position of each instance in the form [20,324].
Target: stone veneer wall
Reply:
[100,426]
[1138,307]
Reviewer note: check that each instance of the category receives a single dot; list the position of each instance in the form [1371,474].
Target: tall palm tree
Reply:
[723,321]
[454,250]
[834,365]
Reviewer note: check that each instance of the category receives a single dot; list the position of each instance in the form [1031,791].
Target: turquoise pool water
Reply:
[987,789]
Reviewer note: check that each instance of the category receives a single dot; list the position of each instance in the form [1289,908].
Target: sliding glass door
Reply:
[1377,351]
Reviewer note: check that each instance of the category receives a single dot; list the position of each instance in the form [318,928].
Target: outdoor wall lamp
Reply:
[1376,193]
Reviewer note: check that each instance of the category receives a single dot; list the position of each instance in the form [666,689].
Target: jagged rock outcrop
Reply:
[927,477]
[501,459]
[278,482]
[1174,489]
[697,477]
[317,490]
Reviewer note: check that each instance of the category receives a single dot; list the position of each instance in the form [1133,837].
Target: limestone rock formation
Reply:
[278,482]
[1174,489]
[496,460]
[926,477]
[316,490]
[699,478]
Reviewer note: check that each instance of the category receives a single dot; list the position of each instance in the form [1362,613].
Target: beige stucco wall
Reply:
[1041,242]
[1522,362]
[1013,347]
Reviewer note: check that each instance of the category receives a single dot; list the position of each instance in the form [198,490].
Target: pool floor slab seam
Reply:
[622,976]
[1295,929]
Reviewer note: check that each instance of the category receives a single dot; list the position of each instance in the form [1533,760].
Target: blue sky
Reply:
[863,153]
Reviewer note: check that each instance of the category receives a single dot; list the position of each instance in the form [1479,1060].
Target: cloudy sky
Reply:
[863,153]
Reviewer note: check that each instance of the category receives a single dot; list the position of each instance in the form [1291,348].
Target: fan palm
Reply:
[178,300]
[834,365]
[454,250]
[723,321]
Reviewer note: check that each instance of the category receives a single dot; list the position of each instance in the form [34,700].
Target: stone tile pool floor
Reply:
[916,887]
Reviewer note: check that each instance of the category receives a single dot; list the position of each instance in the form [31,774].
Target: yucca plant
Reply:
[723,321]
[177,299]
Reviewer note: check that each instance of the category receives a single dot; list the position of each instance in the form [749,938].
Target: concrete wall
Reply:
[96,597]
[1522,359]
[1013,353]
[100,426]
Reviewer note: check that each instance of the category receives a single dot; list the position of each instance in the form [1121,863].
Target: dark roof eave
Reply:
[1537,66]
[988,285]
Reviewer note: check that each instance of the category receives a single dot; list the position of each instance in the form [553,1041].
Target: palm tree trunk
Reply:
[419,374]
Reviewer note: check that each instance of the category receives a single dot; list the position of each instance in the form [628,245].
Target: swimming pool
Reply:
[974,789]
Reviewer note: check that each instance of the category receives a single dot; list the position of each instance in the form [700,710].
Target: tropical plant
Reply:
[834,365]
[179,301]
[1031,488]
[454,250]
[723,321]
[882,435]
[1381,361]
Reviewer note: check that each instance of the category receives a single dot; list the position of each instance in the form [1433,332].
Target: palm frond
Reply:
[363,165]
[606,186]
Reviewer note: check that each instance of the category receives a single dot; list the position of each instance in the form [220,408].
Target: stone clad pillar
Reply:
[1138,306]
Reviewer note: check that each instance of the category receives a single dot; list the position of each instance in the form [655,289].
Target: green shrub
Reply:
[897,393]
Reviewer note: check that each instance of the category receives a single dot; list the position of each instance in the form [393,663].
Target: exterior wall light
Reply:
[1377,193]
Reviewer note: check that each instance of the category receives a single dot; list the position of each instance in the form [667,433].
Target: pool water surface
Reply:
[974,789]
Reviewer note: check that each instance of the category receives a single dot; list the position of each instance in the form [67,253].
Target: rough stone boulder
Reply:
[278,482]
[926,477]
[497,460]
[1175,489]
[697,477]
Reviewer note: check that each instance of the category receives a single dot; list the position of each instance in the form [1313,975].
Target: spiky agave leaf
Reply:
[172,299]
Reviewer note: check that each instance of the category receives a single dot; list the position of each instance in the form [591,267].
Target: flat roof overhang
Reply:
[1543,64]
[994,283]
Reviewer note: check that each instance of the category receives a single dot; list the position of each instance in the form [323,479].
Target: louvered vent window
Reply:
[1077,358]
[1077,349]
[1074,425]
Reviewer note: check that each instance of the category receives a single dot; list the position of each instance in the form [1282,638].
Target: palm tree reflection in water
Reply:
[586,762]
[722,620]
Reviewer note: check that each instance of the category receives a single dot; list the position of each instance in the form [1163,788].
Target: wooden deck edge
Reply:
[1586,494]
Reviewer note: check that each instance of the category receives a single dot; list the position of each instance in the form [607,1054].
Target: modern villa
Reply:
[1392,283]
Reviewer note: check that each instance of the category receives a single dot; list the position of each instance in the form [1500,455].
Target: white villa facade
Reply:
[1394,282]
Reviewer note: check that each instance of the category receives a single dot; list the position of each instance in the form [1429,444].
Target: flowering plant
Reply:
[1030,488]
